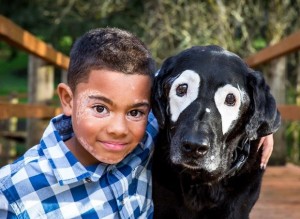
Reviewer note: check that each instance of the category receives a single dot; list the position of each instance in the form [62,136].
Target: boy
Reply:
[92,161]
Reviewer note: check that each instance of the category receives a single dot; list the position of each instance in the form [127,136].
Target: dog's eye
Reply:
[181,90]
[230,100]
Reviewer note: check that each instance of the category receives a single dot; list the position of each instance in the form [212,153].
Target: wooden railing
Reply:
[286,46]
[22,39]
[16,36]
[289,112]
[9,110]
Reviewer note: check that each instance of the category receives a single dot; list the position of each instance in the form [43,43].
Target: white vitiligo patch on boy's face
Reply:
[228,100]
[183,92]
[83,102]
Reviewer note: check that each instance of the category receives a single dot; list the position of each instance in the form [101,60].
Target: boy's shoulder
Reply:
[32,163]
[152,126]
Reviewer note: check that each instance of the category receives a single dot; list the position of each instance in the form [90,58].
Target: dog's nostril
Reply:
[187,147]
[196,149]
[202,150]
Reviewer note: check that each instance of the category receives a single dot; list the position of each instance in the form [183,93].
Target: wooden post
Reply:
[40,91]
[276,79]
[13,121]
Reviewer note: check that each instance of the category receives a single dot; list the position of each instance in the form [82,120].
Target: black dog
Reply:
[212,110]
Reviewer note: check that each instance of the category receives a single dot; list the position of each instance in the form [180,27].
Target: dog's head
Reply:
[209,101]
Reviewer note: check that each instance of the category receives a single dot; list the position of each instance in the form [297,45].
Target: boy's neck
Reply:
[84,157]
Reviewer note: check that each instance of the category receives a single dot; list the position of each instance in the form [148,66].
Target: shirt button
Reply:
[88,180]
[122,202]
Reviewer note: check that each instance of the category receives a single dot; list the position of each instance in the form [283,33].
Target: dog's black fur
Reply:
[184,185]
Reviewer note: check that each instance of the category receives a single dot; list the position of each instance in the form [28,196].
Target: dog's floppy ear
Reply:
[159,96]
[265,116]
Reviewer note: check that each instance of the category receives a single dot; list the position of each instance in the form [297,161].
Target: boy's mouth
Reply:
[114,146]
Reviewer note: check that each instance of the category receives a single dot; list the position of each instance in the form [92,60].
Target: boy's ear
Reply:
[66,98]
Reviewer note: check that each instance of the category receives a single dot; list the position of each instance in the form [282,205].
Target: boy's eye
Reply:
[136,113]
[100,109]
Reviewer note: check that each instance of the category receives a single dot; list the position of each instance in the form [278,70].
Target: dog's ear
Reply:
[265,116]
[159,97]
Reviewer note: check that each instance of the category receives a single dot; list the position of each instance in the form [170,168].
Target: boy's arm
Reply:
[5,212]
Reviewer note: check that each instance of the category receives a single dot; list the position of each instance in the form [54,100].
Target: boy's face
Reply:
[109,116]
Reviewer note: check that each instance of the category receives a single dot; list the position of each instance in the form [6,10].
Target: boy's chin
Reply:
[110,160]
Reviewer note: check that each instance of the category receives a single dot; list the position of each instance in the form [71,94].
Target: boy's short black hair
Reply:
[108,48]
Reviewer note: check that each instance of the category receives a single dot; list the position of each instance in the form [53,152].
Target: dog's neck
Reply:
[240,157]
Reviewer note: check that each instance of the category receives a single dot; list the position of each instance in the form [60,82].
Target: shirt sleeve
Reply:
[5,209]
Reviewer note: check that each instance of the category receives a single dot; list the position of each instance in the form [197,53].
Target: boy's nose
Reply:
[118,125]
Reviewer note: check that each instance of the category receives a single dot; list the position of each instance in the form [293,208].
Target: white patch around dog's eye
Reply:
[183,92]
[228,101]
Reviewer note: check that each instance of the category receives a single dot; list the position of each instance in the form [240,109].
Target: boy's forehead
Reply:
[107,75]
[115,83]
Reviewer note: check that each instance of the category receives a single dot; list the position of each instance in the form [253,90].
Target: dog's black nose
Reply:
[195,148]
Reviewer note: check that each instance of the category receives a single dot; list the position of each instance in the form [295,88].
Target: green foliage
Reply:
[13,73]
[166,26]
[65,42]
[293,141]
[259,43]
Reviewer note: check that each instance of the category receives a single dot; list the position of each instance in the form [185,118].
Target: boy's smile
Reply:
[109,115]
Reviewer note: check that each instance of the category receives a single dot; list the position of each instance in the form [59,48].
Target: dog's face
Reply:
[209,101]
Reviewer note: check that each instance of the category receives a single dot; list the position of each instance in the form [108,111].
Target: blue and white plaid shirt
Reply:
[49,182]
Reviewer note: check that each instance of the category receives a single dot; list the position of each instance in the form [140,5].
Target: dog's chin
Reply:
[201,175]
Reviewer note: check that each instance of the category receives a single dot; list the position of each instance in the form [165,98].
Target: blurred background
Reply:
[167,27]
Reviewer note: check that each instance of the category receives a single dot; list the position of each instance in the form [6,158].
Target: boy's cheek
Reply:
[82,111]
[82,114]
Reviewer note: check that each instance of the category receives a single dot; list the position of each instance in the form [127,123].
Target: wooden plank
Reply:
[280,194]
[15,35]
[16,135]
[284,47]
[8,110]
[289,112]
